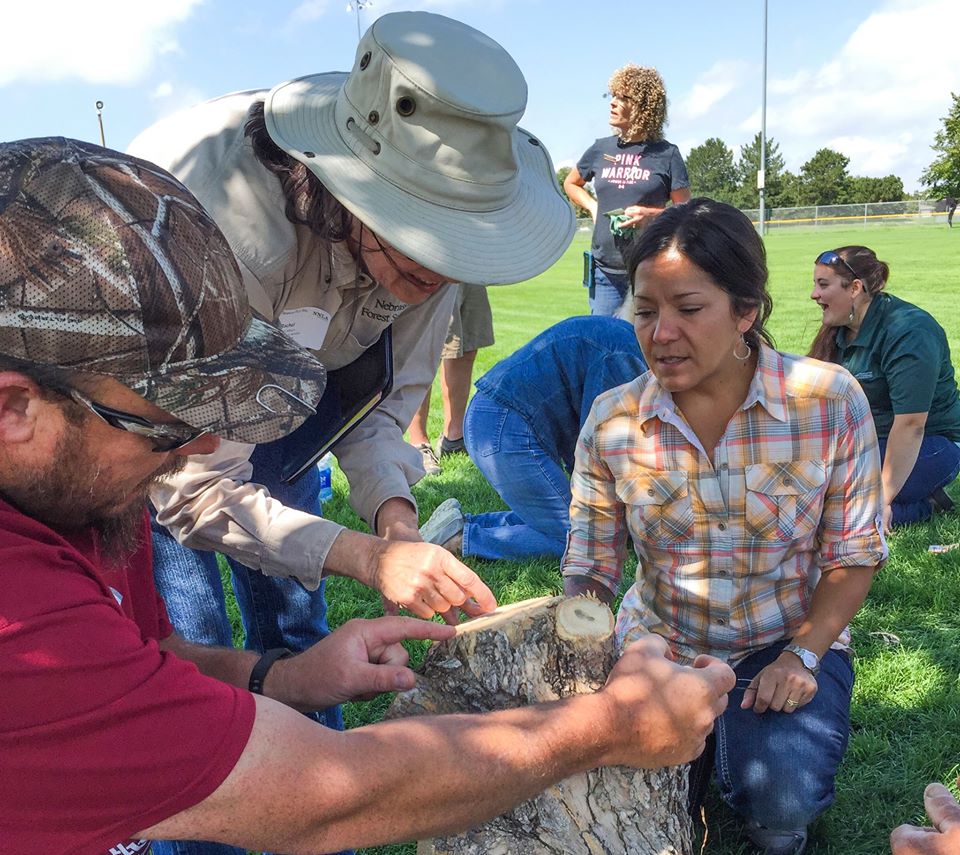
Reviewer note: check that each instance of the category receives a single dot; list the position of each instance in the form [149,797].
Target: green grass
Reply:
[907,698]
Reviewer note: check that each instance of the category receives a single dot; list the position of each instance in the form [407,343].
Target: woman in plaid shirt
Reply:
[749,483]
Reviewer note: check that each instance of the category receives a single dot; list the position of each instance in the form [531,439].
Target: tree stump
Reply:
[526,653]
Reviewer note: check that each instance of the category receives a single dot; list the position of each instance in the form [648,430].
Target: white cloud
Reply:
[878,99]
[310,10]
[711,87]
[313,10]
[114,43]
[874,157]
[163,90]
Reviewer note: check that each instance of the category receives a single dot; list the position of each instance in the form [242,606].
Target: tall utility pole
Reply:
[99,105]
[762,171]
[356,6]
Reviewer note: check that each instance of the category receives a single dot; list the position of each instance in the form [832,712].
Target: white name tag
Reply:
[307,326]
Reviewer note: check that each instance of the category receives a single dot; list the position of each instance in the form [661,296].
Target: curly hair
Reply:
[645,90]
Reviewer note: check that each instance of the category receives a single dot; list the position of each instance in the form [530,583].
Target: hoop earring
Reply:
[746,356]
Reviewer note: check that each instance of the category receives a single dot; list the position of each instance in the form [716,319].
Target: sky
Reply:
[870,78]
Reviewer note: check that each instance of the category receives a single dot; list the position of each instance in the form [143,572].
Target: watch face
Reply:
[807,657]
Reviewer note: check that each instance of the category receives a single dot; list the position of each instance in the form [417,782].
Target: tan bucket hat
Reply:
[420,142]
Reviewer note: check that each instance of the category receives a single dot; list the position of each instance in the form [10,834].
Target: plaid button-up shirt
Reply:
[731,550]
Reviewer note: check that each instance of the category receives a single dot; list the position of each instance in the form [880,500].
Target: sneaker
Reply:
[445,524]
[431,466]
[774,841]
[941,502]
[452,446]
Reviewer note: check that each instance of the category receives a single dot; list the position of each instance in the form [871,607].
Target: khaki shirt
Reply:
[211,504]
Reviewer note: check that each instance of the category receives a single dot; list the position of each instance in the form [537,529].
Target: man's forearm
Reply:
[222,663]
[302,789]
[299,787]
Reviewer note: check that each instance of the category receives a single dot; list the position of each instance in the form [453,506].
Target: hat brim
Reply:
[510,244]
[258,391]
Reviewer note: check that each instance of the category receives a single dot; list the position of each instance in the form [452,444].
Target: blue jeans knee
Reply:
[778,769]
[938,463]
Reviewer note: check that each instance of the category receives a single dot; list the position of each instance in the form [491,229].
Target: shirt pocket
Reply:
[658,506]
[783,500]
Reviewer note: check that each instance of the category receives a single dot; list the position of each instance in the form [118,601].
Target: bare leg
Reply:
[456,376]
[418,424]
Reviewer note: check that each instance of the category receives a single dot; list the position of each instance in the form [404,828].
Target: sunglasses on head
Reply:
[162,437]
[832,259]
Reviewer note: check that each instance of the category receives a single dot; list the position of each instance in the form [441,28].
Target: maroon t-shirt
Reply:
[101,733]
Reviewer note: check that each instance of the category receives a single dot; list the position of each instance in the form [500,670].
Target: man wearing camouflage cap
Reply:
[125,344]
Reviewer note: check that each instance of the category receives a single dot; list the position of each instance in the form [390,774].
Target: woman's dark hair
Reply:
[309,203]
[871,271]
[723,243]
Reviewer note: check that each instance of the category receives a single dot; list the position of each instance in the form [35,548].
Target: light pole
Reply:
[99,106]
[356,6]
[762,171]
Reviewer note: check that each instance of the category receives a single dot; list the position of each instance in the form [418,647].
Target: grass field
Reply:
[907,699]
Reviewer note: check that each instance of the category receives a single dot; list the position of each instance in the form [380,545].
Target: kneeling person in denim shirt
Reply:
[521,430]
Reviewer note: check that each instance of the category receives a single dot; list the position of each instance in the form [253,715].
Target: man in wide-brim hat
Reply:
[353,202]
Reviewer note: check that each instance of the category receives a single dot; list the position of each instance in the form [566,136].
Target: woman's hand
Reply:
[783,686]
[887,517]
[640,215]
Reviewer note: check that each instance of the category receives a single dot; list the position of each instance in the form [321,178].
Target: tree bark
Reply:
[527,653]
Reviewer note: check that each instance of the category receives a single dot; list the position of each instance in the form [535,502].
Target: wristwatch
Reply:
[809,659]
[264,664]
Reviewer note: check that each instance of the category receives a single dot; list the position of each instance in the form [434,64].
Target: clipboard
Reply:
[352,393]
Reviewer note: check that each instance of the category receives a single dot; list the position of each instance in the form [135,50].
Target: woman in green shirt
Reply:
[900,355]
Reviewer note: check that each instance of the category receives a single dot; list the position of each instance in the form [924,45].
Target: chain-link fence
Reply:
[909,211]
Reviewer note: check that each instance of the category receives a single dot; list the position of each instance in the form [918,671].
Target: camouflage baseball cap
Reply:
[110,266]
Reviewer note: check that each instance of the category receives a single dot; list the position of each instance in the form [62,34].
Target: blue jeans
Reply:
[608,293]
[938,463]
[533,484]
[778,769]
[275,612]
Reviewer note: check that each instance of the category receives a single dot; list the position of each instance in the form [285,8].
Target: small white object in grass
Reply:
[940,548]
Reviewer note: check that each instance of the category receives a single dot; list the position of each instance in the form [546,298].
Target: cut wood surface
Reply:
[530,652]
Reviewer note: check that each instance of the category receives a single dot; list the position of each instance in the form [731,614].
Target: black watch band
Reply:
[263,665]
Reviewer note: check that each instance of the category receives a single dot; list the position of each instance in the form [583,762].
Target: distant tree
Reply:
[791,195]
[824,178]
[943,175]
[579,212]
[712,171]
[864,189]
[748,196]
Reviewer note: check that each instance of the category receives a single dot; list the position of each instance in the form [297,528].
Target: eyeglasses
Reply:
[831,259]
[162,437]
[607,96]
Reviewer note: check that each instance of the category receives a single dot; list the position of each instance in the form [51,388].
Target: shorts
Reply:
[471,324]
